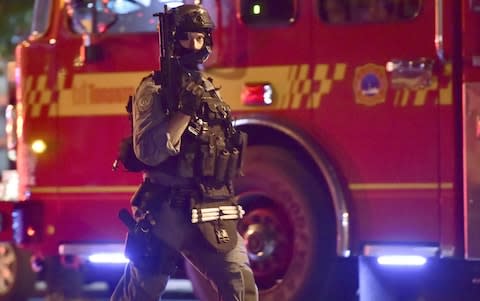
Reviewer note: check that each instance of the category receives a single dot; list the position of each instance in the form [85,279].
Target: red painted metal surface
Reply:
[397,154]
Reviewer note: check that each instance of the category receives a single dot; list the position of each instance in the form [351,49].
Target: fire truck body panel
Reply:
[370,138]
[470,94]
[373,109]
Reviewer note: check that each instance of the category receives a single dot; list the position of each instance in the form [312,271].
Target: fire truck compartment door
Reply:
[471,126]
[387,114]
[472,169]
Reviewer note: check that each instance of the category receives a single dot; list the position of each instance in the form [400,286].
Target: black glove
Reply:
[190,96]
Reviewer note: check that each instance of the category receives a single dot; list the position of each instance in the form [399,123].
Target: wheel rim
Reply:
[8,262]
[267,232]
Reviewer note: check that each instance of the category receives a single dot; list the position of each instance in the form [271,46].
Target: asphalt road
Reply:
[177,290]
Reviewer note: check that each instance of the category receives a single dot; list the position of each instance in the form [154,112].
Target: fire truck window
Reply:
[267,12]
[367,11]
[41,17]
[115,16]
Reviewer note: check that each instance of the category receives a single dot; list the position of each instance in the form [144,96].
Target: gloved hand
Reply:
[190,95]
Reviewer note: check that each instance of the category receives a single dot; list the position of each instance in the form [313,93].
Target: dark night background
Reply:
[15,21]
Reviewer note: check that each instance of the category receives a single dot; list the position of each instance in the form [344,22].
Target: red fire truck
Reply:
[363,119]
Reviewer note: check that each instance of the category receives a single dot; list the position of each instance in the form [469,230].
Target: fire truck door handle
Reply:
[411,74]
[439,30]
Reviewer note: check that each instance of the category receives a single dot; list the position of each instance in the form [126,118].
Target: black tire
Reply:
[63,281]
[289,227]
[17,279]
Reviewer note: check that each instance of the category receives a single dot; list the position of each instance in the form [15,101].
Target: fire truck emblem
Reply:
[370,84]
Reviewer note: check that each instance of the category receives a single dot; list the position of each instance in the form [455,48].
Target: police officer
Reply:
[191,153]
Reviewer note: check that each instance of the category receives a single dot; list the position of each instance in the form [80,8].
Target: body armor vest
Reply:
[211,150]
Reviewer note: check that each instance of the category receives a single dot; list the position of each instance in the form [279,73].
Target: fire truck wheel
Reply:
[17,279]
[64,278]
[289,227]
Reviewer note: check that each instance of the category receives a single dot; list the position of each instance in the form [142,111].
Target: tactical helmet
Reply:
[192,18]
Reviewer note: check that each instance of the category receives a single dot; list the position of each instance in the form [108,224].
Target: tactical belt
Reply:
[217,213]
[165,179]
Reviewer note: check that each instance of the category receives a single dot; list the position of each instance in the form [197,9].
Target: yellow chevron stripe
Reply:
[406,95]
[106,93]
[132,188]
[292,71]
[42,82]
[396,99]
[339,72]
[321,72]
[28,83]
[421,95]
[297,88]
[84,189]
[400,186]
[325,87]
[445,97]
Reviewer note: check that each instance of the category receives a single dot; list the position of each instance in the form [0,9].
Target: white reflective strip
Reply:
[207,219]
[209,210]
[233,212]
[206,215]
[222,212]
[227,207]
[229,216]
[230,211]
[202,211]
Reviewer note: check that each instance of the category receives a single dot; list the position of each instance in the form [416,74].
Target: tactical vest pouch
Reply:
[207,164]
[235,163]
[222,164]
[126,155]
[186,165]
[242,146]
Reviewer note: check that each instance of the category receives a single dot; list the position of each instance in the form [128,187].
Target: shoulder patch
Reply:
[144,97]
[144,102]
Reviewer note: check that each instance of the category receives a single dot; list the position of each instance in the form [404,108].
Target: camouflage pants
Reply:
[230,271]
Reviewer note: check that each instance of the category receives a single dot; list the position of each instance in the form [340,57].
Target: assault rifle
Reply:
[170,73]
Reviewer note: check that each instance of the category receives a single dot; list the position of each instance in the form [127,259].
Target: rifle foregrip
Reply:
[127,219]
